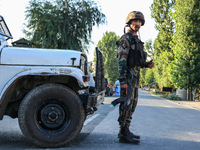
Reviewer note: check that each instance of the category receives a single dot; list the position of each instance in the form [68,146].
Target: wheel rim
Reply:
[52,117]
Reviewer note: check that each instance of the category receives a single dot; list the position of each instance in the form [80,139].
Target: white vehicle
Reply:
[48,90]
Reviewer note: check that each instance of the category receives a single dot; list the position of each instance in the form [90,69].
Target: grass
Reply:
[159,93]
[166,95]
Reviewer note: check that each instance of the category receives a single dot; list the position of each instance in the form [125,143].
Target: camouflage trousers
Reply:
[133,86]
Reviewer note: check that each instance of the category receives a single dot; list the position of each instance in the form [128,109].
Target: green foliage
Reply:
[149,49]
[173,97]
[109,48]
[63,24]
[186,45]
[149,77]
[142,76]
[146,75]
[91,69]
[161,12]
[163,55]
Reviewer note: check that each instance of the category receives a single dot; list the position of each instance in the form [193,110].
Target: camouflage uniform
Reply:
[129,75]
[131,57]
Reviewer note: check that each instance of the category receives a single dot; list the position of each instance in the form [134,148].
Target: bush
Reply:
[173,97]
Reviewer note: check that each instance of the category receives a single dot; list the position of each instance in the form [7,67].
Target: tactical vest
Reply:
[137,56]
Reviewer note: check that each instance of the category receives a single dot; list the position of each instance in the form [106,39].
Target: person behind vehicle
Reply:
[131,58]
[117,91]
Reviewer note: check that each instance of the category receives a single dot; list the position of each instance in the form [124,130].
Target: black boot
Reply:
[126,137]
[130,133]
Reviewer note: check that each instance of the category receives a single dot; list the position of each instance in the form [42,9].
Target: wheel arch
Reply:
[15,90]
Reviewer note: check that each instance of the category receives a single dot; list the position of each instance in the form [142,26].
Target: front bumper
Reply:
[91,101]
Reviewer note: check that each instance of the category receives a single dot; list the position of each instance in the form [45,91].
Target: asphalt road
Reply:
[162,125]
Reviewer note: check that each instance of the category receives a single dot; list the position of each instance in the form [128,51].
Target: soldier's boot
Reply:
[130,133]
[125,137]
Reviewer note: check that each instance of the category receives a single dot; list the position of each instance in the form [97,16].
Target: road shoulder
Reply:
[191,104]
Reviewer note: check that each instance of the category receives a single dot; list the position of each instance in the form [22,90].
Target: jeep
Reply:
[50,91]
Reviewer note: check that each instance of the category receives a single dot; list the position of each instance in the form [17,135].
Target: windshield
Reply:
[4,31]
[2,38]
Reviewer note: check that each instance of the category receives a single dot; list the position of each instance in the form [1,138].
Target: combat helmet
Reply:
[135,15]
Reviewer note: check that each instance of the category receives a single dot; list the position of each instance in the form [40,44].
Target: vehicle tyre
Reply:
[51,115]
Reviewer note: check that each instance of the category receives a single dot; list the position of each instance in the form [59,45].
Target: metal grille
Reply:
[4,29]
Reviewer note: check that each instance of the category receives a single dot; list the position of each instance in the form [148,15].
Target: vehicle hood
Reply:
[36,56]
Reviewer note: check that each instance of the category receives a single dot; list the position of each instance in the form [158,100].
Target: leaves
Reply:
[108,46]
[63,24]
[163,54]
[186,46]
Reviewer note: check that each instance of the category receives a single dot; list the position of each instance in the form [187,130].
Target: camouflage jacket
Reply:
[124,45]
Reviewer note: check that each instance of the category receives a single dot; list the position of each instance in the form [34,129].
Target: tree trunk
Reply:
[189,94]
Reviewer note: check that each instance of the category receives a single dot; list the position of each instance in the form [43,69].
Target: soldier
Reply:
[131,58]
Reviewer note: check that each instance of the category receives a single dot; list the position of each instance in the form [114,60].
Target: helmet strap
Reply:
[125,27]
[132,29]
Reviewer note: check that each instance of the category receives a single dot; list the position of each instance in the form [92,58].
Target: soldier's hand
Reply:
[151,64]
[124,87]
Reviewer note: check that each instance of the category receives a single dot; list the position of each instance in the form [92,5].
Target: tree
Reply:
[186,45]
[143,77]
[109,48]
[149,77]
[162,13]
[63,24]
[149,49]
[91,69]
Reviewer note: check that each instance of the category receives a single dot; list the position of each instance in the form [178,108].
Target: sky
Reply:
[116,12]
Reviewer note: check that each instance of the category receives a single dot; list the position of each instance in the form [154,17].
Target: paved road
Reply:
[162,125]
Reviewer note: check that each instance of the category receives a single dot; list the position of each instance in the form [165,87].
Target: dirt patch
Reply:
[193,104]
